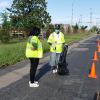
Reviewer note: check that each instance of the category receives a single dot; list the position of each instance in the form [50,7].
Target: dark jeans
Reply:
[33,67]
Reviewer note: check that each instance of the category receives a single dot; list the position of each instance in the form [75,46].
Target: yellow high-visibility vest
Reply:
[30,52]
[57,41]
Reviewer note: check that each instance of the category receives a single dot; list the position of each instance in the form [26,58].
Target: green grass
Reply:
[12,53]
[75,37]
[15,50]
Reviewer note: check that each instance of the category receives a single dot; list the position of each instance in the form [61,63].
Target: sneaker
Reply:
[54,71]
[35,84]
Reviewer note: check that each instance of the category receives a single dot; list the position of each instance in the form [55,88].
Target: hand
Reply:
[33,49]
[54,45]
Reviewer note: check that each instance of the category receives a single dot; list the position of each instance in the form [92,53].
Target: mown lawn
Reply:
[15,51]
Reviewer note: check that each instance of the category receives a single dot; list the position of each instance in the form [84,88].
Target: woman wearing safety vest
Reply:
[34,51]
[56,41]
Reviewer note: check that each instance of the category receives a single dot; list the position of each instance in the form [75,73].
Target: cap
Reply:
[57,26]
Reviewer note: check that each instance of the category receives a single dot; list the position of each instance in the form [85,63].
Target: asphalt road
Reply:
[75,86]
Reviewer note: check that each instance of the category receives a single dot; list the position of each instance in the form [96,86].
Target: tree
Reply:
[83,28]
[50,29]
[62,28]
[5,30]
[69,29]
[29,13]
[75,28]
[94,29]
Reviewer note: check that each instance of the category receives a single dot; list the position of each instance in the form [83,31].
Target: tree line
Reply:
[25,14]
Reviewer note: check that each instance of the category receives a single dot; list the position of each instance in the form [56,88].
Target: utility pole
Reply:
[91,14]
[80,20]
[72,14]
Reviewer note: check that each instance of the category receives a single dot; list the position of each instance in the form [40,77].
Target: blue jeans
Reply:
[54,59]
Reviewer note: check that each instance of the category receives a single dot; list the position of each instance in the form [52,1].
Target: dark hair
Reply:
[35,31]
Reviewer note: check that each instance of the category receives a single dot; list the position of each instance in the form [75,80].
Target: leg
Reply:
[34,63]
[53,60]
[57,58]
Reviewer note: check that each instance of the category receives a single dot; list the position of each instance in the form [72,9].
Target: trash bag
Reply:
[62,69]
[62,64]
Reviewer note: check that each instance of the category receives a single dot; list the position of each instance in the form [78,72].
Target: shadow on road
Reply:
[42,71]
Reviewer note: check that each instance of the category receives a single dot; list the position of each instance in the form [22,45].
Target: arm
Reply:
[33,42]
[34,46]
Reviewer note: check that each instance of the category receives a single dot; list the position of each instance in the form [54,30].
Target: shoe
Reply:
[54,71]
[35,84]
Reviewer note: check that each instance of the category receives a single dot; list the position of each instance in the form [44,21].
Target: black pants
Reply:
[33,67]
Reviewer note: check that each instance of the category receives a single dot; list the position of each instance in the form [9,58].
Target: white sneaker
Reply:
[54,71]
[35,84]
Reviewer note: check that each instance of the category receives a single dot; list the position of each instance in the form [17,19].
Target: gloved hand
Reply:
[54,45]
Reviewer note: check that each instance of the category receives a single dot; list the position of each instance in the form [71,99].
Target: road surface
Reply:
[75,86]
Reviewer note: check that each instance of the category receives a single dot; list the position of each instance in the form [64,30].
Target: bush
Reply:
[75,28]
[83,28]
[4,36]
[69,30]
[94,29]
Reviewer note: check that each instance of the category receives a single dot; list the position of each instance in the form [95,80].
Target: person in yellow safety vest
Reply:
[34,51]
[56,41]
